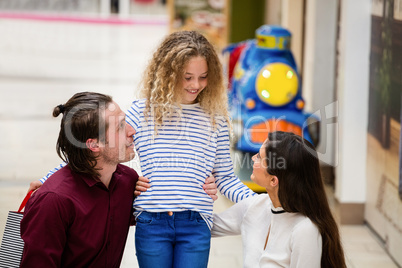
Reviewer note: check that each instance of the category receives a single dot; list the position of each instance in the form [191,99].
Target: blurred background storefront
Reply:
[348,54]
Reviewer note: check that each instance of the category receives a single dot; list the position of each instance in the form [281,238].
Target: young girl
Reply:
[182,137]
[292,226]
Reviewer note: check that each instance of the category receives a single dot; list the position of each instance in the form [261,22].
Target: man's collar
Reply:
[92,181]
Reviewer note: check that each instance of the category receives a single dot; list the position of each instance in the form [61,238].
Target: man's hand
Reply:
[35,185]
[210,187]
[141,186]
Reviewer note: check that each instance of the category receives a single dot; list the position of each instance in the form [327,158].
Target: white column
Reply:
[105,8]
[292,20]
[353,89]
[273,12]
[319,72]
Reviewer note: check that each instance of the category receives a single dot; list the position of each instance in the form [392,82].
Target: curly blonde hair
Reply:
[165,72]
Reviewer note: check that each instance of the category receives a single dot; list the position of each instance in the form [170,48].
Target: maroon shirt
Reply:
[75,221]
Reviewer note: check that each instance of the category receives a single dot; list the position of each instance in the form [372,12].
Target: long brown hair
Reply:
[82,120]
[165,71]
[301,190]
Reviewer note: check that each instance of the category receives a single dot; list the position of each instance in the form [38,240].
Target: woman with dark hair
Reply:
[292,226]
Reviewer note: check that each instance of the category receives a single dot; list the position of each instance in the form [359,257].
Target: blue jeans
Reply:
[178,241]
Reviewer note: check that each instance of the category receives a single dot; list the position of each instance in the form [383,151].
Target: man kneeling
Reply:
[81,216]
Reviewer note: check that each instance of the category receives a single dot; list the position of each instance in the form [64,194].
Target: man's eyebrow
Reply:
[121,120]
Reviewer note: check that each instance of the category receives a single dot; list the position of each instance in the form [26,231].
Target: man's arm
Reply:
[35,185]
[43,229]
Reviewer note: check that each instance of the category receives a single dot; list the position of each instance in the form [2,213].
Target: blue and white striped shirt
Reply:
[177,160]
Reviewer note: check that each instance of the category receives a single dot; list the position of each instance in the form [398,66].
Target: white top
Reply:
[294,241]
[177,161]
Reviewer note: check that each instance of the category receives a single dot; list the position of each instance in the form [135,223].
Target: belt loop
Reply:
[192,215]
[158,215]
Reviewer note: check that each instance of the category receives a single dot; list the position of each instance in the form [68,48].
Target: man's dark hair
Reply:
[83,119]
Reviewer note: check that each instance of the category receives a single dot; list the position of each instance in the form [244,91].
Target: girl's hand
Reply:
[141,186]
[210,188]
[35,185]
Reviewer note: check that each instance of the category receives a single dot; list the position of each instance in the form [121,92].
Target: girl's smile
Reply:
[195,79]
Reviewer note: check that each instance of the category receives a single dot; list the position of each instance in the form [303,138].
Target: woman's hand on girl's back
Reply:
[210,187]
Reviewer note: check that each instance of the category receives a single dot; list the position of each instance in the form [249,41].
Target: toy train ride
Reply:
[265,91]
[265,95]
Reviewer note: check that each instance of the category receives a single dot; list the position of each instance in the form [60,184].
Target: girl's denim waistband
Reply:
[186,214]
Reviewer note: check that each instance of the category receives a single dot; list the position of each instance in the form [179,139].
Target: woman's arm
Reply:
[229,221]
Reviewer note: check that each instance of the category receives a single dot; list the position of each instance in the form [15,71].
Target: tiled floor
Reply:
[361,246]
[42,64]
